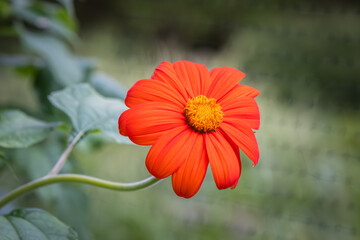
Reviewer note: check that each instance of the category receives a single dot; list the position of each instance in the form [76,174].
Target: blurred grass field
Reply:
[305,187]
[306,64]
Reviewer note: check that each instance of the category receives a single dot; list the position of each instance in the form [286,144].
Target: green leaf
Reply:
[68,4]
[43,157]
[61,62]
[5,9]
[30,223]
[17,130]
[89,110]
[4,160]
[66,201]
[51,25]
[107,85]
[20,61]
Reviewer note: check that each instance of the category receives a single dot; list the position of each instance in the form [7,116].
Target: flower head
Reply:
[192,117]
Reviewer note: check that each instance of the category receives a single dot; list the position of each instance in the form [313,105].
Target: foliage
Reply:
[37,224]
[62,80]
[88,110]
[18,130]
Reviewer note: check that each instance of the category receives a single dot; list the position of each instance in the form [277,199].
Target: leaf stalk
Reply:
[77,178]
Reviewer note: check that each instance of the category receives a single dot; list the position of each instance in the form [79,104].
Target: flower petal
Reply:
[242,110]
[122,122]
[237,153]
[194,75]
[146,122]
[170,151]
[243,137]
[223,160]
[223,79]
[151,90]
[165,72]
[239,91]
[187,179]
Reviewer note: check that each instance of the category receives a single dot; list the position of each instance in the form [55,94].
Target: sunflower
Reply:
[192,117]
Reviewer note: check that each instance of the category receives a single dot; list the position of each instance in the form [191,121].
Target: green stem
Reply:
[77,178]
[60,163]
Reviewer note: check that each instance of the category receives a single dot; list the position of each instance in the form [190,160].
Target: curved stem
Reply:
[77,178]
[60,163]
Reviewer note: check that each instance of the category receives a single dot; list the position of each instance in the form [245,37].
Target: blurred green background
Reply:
[304,57]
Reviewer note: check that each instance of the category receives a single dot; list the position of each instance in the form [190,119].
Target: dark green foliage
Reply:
[43,53]
[31,224]
[17,130]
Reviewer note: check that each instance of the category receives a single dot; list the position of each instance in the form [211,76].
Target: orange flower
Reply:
[193,117]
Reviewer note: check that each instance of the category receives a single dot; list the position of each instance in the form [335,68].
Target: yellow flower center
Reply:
[203,114]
